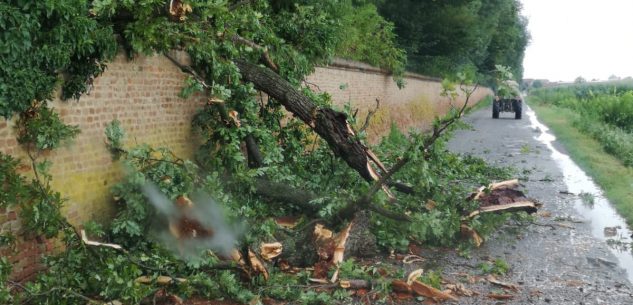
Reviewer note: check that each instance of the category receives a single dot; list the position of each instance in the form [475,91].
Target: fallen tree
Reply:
[257,165]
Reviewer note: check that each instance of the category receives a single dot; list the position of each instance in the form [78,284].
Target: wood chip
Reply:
[257,264]
[430,292]
[414,275]
[86,241]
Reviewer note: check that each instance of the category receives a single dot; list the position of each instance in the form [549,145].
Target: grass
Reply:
[486,102]
[607,171]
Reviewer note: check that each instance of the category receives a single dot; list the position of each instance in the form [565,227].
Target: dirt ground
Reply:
[556,260]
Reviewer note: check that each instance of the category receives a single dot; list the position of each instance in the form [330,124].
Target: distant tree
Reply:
[580,80]
[443,37]
[614,77]
[537,83]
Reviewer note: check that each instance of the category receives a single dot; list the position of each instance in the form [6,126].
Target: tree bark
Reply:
[330,125]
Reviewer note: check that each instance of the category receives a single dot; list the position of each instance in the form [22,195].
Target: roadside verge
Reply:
[608,172]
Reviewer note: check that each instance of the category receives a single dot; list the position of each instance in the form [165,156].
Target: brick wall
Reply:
[143,95]
[414,106]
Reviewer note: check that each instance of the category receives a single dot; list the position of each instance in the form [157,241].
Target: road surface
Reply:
[559,260]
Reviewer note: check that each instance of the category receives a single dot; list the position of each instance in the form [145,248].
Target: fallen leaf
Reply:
[500,296]
[414,275]
[430,292]
[269,251]
[494,281]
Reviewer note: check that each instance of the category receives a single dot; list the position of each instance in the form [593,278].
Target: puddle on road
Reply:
[599,213]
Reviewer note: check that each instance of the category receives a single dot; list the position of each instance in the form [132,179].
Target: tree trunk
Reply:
[331,125]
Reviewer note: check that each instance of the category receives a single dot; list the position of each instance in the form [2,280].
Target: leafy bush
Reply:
[605,112]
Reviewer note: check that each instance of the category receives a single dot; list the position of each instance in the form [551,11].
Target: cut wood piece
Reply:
[340,240]
[526,206]
[330,125]
[160,280]
[257,265]
[88,242]
[414,275]
[514,183]
[269,251]
[400,286]
[430,292]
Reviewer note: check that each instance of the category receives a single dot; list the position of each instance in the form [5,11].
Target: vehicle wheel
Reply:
[495,111]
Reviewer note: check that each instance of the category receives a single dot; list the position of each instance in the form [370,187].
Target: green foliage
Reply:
[436,221]
[432,278]
[41,128]
[5,271]
[369,38]
[56,38]
[38,204]
[604,111]
[41,40]
[444,37]
[114,138]
[498,267]
[173,177]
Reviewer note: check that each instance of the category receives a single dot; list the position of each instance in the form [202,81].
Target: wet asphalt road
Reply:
[557,260]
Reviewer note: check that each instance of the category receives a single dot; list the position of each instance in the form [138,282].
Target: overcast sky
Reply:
[571,38]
